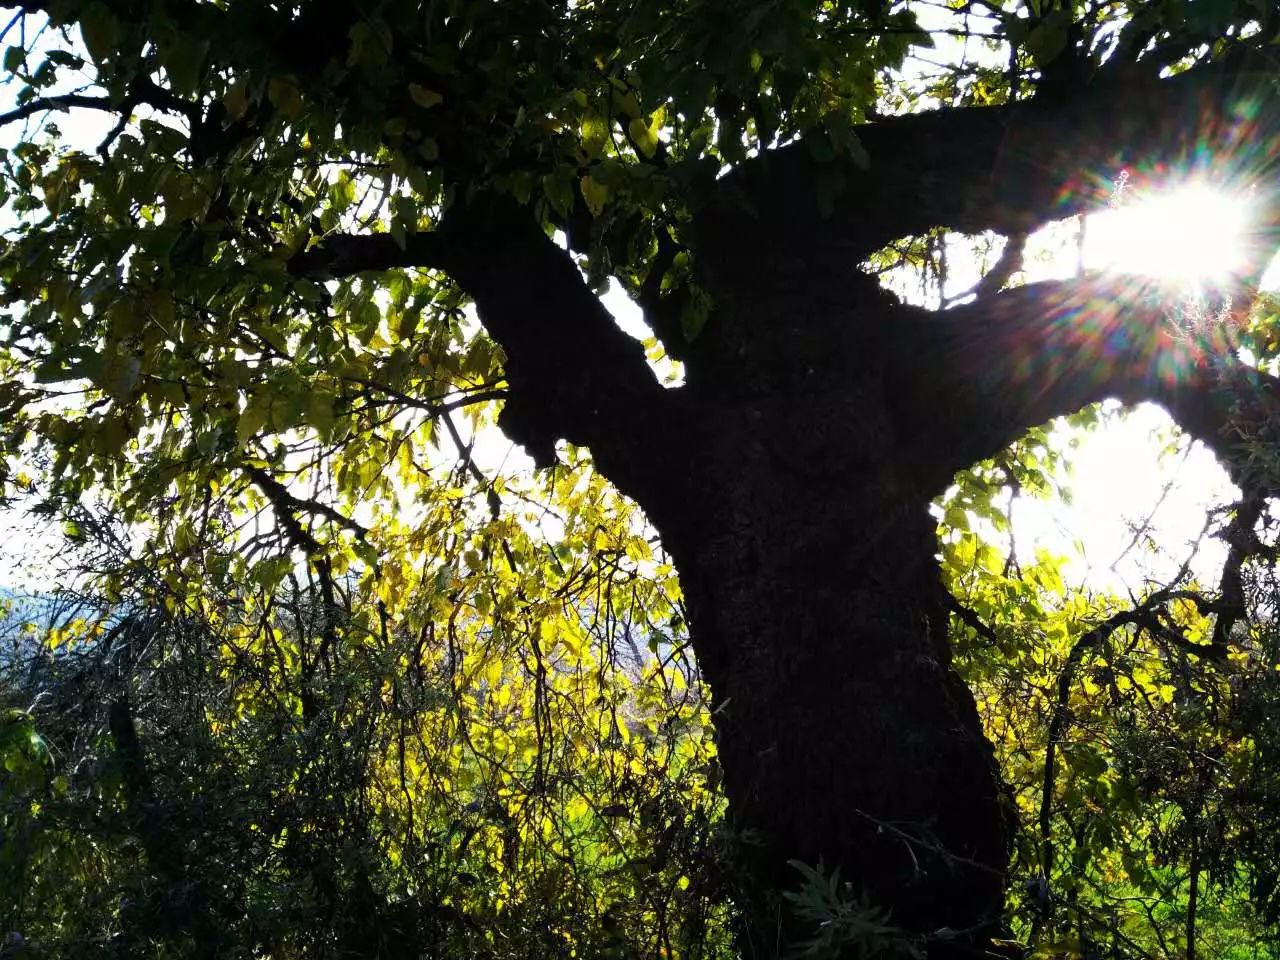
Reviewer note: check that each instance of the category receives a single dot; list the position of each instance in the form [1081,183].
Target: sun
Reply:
[1191,235]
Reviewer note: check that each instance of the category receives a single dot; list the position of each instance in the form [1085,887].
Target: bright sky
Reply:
[1142,493]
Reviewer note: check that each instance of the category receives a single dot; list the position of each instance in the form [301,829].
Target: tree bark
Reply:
[845,737]
[800,526]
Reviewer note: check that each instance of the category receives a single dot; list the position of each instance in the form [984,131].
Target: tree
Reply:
[257,287]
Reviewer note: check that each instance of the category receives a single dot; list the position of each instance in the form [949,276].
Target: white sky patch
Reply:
[1140,497]
[29,548]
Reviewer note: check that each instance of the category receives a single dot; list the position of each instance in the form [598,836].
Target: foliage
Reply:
[255,780]
[1138,760]
[842,924]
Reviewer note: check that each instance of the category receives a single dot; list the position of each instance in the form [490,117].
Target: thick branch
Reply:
[1009,168]
[571,372]
[342,255]
[983,373]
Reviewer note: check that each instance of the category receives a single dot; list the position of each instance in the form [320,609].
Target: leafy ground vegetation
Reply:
[326,678]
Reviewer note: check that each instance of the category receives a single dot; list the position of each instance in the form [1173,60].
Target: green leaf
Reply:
[371,42]
[320,405]
[558,188]
[858,153]
[595,135]
[694,313]
[183,58]
[645,133]
[253,418]
[1048,38]
[595,193]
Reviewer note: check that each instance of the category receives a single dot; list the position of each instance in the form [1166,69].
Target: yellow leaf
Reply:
[285,96]
[236,99]
[595,134]
[423,97]
[645,139]
[595,193]
[253,419]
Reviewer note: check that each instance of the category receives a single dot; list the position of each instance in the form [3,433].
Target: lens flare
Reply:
[1190,235]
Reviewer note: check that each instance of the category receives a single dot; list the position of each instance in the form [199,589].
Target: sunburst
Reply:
[1192,235]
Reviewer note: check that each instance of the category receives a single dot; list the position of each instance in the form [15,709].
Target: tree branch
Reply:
[1009,263]
[1144,616]
[65,101]
[990,370]
[1241,545]
[342,255]
[1008,168]
[572,373]
[287,508]
[970,619]
[143,91]
[1086,644]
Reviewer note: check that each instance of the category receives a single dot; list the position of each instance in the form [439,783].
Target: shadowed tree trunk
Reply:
[807,554]
[845,737]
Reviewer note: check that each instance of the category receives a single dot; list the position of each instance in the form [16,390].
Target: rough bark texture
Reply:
[807,554]
[845,737]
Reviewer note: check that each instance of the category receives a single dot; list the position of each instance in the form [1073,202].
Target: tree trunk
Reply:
[791,482]
[845,737]
[790,477]
[808,558]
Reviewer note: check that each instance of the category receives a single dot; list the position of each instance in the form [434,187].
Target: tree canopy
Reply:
[740,660]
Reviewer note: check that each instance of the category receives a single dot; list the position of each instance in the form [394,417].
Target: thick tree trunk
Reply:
[845,737]
[790,477]
[808,558]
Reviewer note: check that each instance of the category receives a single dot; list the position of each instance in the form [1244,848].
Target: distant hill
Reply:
[19,608]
